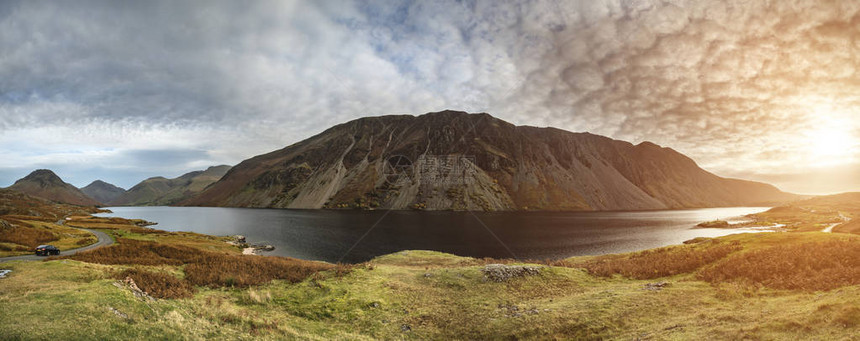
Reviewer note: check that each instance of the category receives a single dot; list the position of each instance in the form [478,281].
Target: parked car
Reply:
[47,250]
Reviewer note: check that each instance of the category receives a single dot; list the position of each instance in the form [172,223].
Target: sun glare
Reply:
[832,140]
[831,143]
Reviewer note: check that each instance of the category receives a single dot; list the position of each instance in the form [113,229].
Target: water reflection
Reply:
[327,235]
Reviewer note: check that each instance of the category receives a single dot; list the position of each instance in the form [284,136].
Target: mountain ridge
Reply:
[102,191]
[45,184]
[158,190]
[513,168]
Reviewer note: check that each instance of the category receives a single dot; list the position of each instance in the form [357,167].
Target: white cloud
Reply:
[95,80]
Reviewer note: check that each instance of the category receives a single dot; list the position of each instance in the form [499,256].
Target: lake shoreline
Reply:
[353,236]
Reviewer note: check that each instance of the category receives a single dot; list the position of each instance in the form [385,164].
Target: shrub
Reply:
[158,284]
[28,236]
[85,241]
[241,271]
[137,252]
[807,266]
[207,268]
[662,262]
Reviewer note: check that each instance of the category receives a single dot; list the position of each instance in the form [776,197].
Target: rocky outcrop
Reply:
[503,273]
[457,161]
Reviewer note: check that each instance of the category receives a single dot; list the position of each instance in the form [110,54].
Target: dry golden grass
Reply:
[13,247]
[137,252]
[18,218]
[849,227]
[243,271]
[113,226]
[662,262]
[29,237]
[158,284]
[204,268]
[823,265]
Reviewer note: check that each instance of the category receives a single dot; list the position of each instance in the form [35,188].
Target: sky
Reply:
[126,90]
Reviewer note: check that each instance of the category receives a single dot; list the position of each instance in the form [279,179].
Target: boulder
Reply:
[502,273]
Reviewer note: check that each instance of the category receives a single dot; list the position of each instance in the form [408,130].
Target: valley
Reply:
[761,286]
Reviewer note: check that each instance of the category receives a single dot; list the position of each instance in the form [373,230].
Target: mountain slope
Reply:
[455,160]
[43,183]
[160,191]
[102,191]
[17,203]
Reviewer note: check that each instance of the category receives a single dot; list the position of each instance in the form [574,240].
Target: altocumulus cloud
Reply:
[96,88]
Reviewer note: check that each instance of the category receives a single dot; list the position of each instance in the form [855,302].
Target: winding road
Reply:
[104,240]
[829,228]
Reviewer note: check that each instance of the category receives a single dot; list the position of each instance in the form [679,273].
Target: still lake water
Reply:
[356,236]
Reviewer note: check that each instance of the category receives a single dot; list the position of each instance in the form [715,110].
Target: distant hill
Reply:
[16,203]
[102,191]
[160,191]
[45,184]
[460,161]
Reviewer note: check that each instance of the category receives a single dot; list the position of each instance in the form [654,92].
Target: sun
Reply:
[833,142]
[831,138]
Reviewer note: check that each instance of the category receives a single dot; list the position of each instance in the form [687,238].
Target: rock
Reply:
[656,286]
[428,275]
[118,313]
[239,238]
[512,310]
[129,282]
[405,328]
[143,223]
[4,272]
[502,273]
[256,249]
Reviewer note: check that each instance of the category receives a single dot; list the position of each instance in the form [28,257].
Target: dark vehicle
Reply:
[47,250]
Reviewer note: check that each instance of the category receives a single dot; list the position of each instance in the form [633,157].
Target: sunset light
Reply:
[430,170]
[832,139]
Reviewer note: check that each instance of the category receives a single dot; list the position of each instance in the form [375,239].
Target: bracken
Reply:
[206,268]
[662,262]
[808,266]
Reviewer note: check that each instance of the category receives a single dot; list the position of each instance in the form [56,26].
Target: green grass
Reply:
[431,295]
[744,286]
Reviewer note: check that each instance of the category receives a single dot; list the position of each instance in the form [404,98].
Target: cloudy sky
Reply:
[121,91]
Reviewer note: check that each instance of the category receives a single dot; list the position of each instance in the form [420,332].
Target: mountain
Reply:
[45,184]
[454,160]
[102,191]
[17,203]
[160,191]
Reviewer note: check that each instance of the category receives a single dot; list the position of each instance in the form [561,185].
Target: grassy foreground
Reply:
[679,292]
[169,285]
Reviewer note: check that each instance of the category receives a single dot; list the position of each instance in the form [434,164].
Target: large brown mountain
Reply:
[43,183]
[160,191]
[455,160]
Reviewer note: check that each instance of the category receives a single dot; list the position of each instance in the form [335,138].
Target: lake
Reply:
[356,236]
